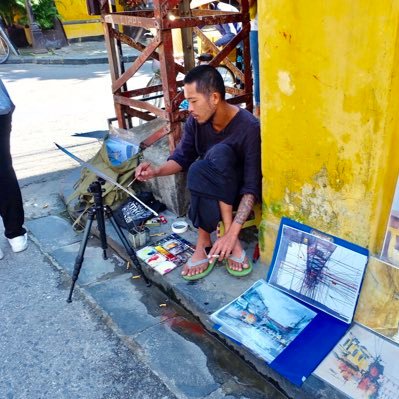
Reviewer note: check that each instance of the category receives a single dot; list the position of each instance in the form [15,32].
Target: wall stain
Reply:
[287,36]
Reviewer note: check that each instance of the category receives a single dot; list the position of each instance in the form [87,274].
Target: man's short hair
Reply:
[208,80]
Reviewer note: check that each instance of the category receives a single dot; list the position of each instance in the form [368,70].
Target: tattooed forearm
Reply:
[245,208]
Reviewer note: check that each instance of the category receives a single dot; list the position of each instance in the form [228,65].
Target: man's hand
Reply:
[145,171]
[224,246]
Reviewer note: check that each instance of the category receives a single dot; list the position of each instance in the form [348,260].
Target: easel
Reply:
[100,212]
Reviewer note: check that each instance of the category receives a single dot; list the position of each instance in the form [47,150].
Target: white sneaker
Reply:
[19,243]
[1,254]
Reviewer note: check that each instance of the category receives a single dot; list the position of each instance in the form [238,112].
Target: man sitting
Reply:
[220,149]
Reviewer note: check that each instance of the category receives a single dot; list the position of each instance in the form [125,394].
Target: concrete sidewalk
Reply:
[77,53]
[170,342]
[138,314]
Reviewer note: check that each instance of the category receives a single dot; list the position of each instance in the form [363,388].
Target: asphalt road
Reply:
[47,348]
[57,103]
[68,105]
[52,350]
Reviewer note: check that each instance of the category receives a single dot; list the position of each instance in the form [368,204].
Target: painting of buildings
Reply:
[363,365]
[264,320]
[317,270]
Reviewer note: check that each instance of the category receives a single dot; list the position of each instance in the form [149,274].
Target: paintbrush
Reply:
[131,182]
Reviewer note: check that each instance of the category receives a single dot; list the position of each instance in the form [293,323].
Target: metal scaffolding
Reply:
[165,16]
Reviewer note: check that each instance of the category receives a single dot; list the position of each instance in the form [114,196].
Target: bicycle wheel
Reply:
[228,76]
[4,50]
[156,98]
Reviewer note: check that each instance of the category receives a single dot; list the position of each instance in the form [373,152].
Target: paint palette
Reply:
[167,253]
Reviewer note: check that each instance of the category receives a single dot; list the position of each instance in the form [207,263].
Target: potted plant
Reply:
[47,17]
[45,13]
[13,15]
[11,11]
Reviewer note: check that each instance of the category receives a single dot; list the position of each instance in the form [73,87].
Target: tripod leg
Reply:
[131,252]
[80,256]
[96,190]
[101,228]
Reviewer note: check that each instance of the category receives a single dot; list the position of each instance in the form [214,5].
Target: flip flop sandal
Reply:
[191,264]
[243,272]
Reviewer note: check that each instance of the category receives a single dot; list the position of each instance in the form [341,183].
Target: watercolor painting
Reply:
[363,365]
[317,270]
[263,319]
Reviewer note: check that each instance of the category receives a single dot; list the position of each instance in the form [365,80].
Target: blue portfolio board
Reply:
[295,317]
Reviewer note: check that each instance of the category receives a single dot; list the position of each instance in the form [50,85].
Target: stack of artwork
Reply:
[167,254]
[296,317]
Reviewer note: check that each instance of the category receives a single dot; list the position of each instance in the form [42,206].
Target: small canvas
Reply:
[390,250]
[363,365]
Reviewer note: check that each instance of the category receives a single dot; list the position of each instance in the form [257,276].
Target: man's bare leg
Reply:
[204,240]
[226,212]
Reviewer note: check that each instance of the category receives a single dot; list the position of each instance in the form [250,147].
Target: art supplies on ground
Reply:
[167,254]
[131,215]
[295,317]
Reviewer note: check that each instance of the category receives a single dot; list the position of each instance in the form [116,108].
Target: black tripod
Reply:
[100,212]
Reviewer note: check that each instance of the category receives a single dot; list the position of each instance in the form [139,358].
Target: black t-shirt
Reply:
[242,134]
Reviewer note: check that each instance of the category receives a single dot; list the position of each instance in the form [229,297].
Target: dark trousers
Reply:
[211,180]
[11,208]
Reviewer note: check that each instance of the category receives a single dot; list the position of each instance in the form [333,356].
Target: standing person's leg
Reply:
[254,48]
[11,207]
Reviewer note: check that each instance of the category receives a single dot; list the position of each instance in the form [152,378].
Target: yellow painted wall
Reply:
[75,10]
[330,107]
